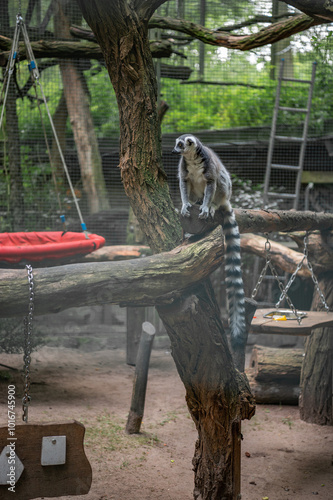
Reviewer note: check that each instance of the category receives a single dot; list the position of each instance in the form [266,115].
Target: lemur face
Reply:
[185,144]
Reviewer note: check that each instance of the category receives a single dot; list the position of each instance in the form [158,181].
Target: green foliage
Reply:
[104,105]
[215,107]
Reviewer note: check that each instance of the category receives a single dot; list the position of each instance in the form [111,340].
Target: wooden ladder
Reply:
[268,193]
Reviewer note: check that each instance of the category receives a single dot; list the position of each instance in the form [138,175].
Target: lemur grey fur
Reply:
[203,178]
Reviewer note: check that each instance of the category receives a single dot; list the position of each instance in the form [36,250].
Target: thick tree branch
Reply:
[89,50]
[260,18]
[226,84]
[72,50]
[261,221]
[315,8]
[270,34]
[146,8]
[141,281]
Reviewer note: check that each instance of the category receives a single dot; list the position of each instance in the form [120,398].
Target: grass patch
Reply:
[108,433]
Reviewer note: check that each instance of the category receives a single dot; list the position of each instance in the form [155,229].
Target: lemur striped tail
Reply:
[233,277]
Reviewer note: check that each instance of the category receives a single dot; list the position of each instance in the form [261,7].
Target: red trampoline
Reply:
[38,246]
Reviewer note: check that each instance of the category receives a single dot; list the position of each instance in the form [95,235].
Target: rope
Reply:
[20,25]
[48,149]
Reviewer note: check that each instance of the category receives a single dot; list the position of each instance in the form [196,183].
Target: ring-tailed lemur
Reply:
[203,178]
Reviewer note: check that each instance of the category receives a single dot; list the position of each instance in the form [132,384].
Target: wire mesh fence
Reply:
[224,96]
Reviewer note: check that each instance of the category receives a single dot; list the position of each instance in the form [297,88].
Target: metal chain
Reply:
[275,274]
[27,346]
[286,296]
[290,282]
[264,270]
[314,279]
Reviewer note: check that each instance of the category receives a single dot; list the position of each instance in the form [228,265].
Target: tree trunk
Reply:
[316,376]
[77,100]
[213,388]
[198,342]
[282,48]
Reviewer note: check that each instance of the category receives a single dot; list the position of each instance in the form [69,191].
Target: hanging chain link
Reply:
[314,279]
[264,270]
[290,282]
[275,274]
[27,346]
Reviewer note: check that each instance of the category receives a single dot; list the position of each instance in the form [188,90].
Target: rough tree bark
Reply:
[77,100]
[316,376]
[205,367]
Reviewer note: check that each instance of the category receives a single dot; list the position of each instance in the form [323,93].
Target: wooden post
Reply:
[140,379]
[135,317]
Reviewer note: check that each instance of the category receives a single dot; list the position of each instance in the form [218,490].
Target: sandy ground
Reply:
[283,458]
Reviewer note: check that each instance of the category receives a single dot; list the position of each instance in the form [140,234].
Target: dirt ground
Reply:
[283,458]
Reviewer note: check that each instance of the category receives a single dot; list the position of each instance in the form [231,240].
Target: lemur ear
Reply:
[189,142]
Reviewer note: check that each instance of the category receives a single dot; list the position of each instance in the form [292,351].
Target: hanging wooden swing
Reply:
[38,460]
[289,321]
[261,323]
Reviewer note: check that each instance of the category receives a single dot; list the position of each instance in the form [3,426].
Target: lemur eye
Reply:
[189,142]
[179,145]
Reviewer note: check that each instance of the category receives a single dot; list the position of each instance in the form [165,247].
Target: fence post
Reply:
[140,379]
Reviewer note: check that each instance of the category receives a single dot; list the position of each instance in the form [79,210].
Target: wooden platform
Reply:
[290,327]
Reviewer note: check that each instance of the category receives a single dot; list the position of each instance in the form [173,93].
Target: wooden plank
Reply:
[290,327]
[319,177]
[72,478]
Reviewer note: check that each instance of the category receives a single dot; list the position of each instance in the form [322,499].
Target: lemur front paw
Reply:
[204,212]
[184,211]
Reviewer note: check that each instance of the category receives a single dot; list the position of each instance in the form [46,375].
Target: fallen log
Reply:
[271,365]
[273,393]
[117,252]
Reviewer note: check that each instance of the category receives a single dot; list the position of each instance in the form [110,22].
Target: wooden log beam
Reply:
[117,252]
[261,221]
[61,49]
[134,282]
[151,280]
